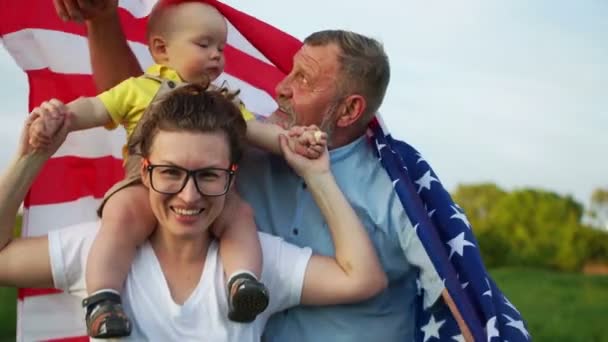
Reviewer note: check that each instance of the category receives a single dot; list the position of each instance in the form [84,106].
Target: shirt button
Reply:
[295,231]
[171,84]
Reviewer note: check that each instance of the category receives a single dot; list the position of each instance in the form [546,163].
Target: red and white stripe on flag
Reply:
[55,57]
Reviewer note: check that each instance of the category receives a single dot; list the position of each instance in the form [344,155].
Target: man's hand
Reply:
[309,142]
[80,10]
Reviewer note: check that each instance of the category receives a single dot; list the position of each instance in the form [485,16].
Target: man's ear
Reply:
[353,107]
[158,48]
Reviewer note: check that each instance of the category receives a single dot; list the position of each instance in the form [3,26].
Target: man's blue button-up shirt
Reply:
[283,207]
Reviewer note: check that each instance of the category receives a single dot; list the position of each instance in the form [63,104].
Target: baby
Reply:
[186,41]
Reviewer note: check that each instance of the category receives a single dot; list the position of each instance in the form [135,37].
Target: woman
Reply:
[191,143]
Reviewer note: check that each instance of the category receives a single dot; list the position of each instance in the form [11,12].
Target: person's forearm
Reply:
[464,329]
[265,135]
[14,185]
[354,251]
[88,112]
[111,57]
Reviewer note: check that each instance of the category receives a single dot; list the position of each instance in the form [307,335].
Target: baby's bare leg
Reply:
[241,256]
[126,223]
[239,242]
[127,220]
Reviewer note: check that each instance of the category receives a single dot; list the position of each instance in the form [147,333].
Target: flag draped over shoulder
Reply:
[447,236]
[55,57]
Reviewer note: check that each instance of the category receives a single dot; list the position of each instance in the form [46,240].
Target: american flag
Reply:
[54,56]
[448,238]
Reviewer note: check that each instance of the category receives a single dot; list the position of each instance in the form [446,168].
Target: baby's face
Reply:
[197,49]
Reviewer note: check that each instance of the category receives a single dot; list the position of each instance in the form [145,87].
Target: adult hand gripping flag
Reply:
[55,57]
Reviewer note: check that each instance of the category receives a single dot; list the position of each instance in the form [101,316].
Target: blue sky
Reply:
[512,92]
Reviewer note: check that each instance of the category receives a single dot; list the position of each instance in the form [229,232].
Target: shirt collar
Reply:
[164,72]
[346,150]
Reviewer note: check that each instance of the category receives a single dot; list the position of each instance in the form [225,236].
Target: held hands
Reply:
[305,150]
[309,142]
[80,10]
[45,128]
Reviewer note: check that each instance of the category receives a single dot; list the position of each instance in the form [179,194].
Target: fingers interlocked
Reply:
[308,141]
[46,120]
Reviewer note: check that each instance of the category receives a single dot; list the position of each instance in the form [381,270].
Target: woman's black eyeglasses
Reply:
[171,179]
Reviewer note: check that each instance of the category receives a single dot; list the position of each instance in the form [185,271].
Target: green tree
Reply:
[478,200]
[528,227]
[540,227]
[598,210]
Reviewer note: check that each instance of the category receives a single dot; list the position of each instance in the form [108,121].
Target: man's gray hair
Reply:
[363,63]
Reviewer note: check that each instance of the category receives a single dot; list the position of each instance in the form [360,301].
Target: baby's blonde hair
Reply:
[160,20]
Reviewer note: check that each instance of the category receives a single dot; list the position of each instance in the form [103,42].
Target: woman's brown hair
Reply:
[193,108]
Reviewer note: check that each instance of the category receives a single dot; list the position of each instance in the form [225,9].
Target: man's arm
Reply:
[111,58]
[464,329]
[429,279]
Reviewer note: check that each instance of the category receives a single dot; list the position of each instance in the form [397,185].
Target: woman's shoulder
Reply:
[68,251]
[79,235]
[280,256]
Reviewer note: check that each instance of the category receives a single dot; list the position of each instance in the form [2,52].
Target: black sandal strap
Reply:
[99,297]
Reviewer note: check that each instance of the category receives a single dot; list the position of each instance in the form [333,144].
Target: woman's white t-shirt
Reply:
[203,316]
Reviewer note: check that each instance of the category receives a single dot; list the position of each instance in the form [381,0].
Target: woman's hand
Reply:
[51,117]
[302,165]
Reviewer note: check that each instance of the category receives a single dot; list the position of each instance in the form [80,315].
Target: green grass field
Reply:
[557,306]
[8,312]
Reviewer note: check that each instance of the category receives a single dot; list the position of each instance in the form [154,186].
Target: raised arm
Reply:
[111,58]
[355,273]
[307,141]
[86,112]
[24,262]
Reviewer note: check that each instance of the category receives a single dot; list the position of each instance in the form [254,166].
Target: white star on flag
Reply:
[462,285]
[489,292]
[519,325]
[491,328]
[431,212]
[458,215]
[380,146]
[458,243]
[431,329]
[425,181]
[510,304]
[458,338]
[420,158]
